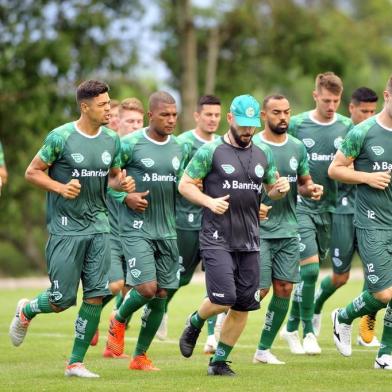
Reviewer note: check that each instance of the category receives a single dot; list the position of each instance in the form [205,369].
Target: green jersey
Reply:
[291,161]
[188,215]
[321,141]
[2,161]
[156,167]
[370,145]
[346,199]
[71,154]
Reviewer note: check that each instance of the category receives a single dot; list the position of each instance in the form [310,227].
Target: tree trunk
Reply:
[212,60]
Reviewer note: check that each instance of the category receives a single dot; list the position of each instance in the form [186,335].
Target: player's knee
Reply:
[116,287]
[384,296]
[147,290]
[58,309]
[339,280]
[263,293]
[283,289]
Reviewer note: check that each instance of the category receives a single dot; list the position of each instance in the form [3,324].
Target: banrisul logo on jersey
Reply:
[227,168]
[153,177]
[377,166]
[147,162]
[234,184]
[77,157]
[106,157]
[76,173]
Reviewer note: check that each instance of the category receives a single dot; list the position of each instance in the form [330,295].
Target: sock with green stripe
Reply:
[40,304]
[222,352]
[325,290]
[386,340]
[365,303]
[197,321]
[309,275]
[211,321]
[295,314]
[151,319]
[276,313]
[85,326]
[132,302]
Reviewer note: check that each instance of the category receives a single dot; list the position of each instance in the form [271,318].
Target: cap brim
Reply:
[247,122]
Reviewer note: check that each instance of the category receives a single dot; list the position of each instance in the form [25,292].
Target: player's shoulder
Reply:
[299,118]
[109,132]
[364,127]
[62,132]
[210,147]
[186,136]
[133,137]
[292,140]
[346,121]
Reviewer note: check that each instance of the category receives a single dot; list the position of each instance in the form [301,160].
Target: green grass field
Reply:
[38,364]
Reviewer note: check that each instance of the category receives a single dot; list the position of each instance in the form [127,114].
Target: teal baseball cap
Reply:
[246,111]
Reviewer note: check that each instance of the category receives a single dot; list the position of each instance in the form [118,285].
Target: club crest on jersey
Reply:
[77,157]
[338,142]
[293,164]
[106,157]
[259,170]
[147,162]
[378,150]
[308,142]
[228,169]
[176,163]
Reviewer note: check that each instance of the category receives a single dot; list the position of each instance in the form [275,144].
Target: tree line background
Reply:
[223,47]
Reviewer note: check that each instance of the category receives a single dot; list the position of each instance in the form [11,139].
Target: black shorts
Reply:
[232,278]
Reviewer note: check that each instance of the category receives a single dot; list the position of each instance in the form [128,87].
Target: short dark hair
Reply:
[90,89]
[363,94]
[207,100]
[270,97]
[160,97]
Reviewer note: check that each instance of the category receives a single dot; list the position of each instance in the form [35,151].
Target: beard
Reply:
[237,137]
[278,129]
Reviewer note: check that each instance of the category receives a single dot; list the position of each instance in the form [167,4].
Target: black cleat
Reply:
[188,338]
[220,368]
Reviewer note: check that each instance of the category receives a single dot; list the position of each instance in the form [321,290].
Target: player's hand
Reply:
[282,185]
[263,211]
[70,190]
[127,183]
[379,180]
[316,191]
[136,201]
[219,205]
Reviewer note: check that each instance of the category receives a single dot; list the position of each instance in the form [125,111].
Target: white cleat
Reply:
[78,369]
[220,318]
[384,362]
[316,322]
[310,344]
[265,356]
[211,345]
[341,335]
[19,324]
[374,343]
[292,338]
[161,334]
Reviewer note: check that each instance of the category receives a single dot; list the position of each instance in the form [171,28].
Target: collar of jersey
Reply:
[85,134]
[273,143]
[154,141]
[382,125]
[311,116]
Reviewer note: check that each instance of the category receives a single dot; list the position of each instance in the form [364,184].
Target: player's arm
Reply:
[190,188]
[36,173]
[341,170]
[119,181]
[3,174]
[307,188]
[279,189]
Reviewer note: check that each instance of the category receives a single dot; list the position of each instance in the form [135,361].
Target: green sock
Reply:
[170,294]
[40,304]
[365,303]
[151,319]
[324,292]
[106,299]
[197,321]
[309,274]
[222,352]
[277,310]
[211,325]
[118,300]
[386,340]
[132,302]
[85,326]
[295,314]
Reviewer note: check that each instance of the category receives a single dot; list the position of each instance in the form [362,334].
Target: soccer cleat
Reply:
[19,324]
[316,322]
[219,368]
[188,338]
[220,318]
[141,362]
[211,345]
[310,345]
[115,342]
[78,369]
[162,330]
[384,362]
[265,356]
[94,340]
[107,353]
[341,335]
[292,338]
[366,328]
[374,343]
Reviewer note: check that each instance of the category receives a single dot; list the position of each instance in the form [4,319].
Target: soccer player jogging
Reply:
[81,158]
[369,146]
[147,226]
[279,244]
[343,241]
[131,114]
[188,216]
[233,170]
[321,130]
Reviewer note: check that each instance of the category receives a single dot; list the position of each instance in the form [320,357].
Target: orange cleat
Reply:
[115,342]
[107,353]
[141,362]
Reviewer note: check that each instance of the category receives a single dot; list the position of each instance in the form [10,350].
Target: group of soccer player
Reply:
[132,211]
